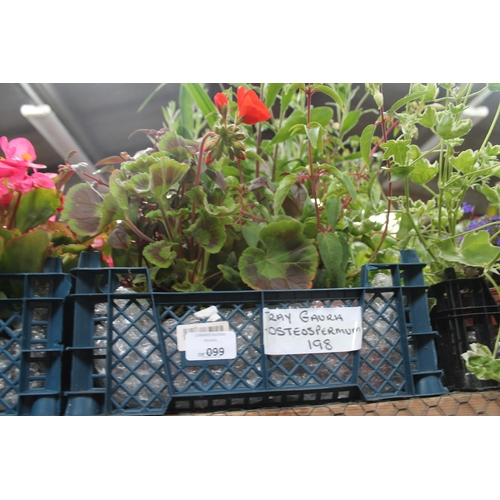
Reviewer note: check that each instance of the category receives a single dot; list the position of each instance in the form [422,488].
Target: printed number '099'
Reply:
[213,352]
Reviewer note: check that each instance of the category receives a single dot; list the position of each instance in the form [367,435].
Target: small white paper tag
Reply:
[181,330]
[203,346]
[312,330]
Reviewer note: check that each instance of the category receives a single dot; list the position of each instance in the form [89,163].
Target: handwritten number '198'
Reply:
[214,352]
[322,344]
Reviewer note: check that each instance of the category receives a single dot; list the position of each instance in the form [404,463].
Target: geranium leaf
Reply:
[208,231]
[286,261]
[464,161]
[82,210]
[160,254]
[165,174]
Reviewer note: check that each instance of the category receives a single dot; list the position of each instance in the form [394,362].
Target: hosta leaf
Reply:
[286,261]
[160,254]
[82,210]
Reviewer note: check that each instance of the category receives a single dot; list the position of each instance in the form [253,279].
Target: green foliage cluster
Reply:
[303,209]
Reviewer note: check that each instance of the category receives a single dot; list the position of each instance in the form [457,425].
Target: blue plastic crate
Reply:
[31,341]
[118,364]
[397,358]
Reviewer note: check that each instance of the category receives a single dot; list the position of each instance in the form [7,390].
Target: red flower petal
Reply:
[220,99]
[251,108]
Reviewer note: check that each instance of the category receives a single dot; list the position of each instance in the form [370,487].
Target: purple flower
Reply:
[468,209]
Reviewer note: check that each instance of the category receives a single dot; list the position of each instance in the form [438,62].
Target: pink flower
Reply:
[19,153]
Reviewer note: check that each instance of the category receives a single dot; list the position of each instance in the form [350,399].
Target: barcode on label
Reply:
[181,330]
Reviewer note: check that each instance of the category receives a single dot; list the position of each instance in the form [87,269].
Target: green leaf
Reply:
[475,250]
[494,87]
[428,118]
[312,134]
[82,210]
[208,231]
[271,92]
[366,143]
[465,161]
[331,253]
[230,275]
[297,117]
[405,100]
[164,175]
[350,121]
[492,194]
[322,115]
[450,127]
[36,207]
[160,254]
[186,116]
[203,101]
[25,253]
[330,92]
[282,191]
[251,231]
[144,104]
[137,184]
[345,180]
[286,261]
[423,172]
[397,149]
[332,210]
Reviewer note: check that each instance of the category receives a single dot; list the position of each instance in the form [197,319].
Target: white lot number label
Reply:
[210,345]
[312,330]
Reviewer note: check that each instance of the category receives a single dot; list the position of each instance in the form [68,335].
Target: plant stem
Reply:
[497,340]
[492,126]
[138,231]
[13,216]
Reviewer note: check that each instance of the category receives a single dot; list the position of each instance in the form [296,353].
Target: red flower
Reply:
[220,99]
[251,108]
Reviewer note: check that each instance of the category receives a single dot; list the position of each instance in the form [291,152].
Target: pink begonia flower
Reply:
[19,153]
[98,242]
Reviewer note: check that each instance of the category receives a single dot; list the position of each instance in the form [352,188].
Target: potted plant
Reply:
[255,190]
[438,226]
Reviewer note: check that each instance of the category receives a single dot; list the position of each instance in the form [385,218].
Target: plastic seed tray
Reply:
[122,365]
[465,313]
[31,341]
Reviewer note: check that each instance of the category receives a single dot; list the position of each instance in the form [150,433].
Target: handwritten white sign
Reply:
[312,330]
[204,346]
